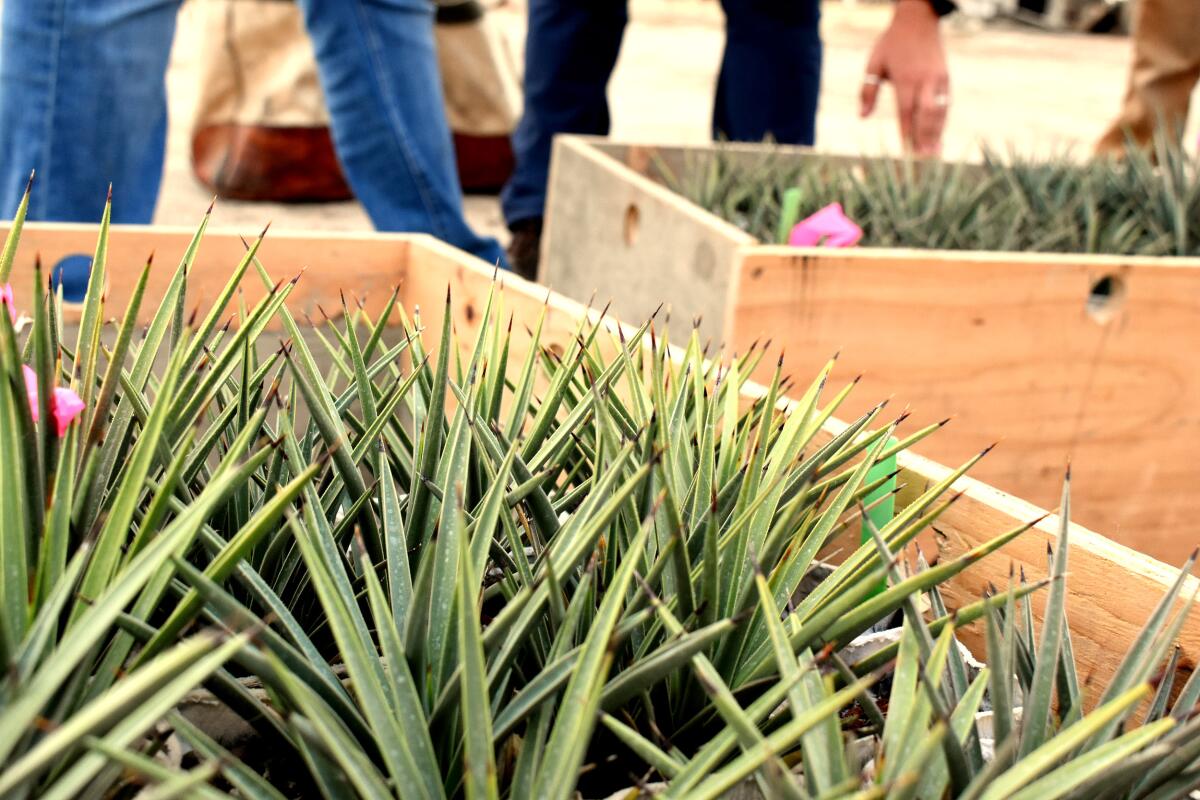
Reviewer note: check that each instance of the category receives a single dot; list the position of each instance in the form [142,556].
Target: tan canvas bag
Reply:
[261,126]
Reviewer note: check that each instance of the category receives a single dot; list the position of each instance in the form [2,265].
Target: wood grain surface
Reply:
[1009,348]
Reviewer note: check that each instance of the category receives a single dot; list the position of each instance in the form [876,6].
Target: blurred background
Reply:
[1039,76]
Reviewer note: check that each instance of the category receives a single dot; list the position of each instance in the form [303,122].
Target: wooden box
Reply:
[1059,357]
[1112,588]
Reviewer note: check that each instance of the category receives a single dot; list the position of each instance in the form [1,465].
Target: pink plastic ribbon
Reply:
[829,227]
[6,299]
[65,405]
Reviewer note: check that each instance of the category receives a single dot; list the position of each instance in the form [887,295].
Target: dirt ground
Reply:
[1012,87]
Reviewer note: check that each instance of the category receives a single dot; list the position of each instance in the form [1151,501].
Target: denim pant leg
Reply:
[771,72]
[570,52]
[83,101]
[378,67]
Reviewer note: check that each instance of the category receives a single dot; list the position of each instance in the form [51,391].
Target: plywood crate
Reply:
[1112,588]
[1020,348]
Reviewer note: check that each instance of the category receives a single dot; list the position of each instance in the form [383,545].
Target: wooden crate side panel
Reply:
[614,235]
[667,164]
[1112,588]
[1005,346]
[366,266]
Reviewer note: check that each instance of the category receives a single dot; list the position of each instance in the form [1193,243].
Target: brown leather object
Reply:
[484,162]
[299,165]
[260,162]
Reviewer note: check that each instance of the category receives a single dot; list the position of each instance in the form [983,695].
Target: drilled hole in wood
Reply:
[633,220]
[1106,298]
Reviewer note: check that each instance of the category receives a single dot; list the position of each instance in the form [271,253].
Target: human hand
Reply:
[909,55]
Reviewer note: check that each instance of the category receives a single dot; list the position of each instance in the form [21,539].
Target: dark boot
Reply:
[525,247]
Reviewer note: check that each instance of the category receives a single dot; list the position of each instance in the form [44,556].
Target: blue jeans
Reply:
[83,101]
[768,84]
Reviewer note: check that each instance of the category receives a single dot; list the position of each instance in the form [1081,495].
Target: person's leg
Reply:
[771,72]
[570,52]
[83,102]
[378,67]
[1165,69]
